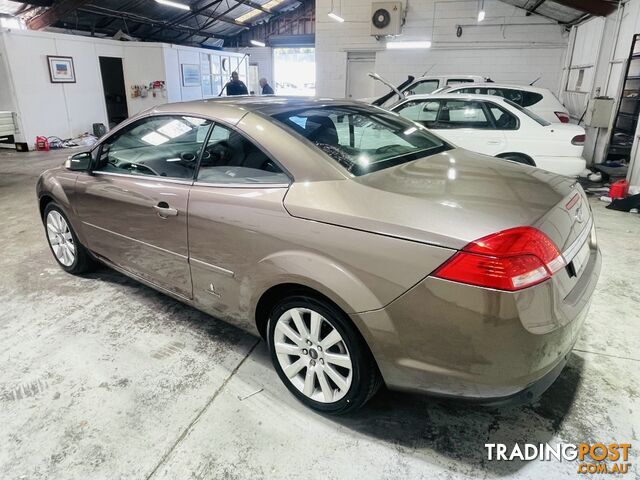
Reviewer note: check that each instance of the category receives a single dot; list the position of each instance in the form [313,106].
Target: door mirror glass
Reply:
[79,162]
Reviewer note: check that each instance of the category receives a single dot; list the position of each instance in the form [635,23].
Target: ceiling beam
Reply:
[196,10]
[124,8]
[56,12]
[213,19]
[105,12]
[535,6]
[233,21]
[599,8]
[257,6]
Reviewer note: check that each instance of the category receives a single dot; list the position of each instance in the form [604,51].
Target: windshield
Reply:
[363,139]
[528,113]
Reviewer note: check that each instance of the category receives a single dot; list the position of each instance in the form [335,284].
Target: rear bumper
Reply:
[451,339]
[532,392]
[568,166]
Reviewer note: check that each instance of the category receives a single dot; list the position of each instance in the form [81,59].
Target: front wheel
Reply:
[320,356]
[67,250]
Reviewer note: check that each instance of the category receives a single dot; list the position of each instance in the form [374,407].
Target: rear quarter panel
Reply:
[245,242]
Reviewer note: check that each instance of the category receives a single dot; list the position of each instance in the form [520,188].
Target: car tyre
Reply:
[70,254]
[320,356]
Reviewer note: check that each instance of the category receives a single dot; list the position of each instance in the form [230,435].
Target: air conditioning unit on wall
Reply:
[386,18]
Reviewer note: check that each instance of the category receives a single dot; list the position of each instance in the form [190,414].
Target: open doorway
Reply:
[295,71]
[115,95]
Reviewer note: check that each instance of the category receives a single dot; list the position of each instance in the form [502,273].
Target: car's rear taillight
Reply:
[562,116]
[510,260]
[578,140]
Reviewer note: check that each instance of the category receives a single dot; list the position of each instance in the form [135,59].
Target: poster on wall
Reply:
[190,75]
[61,69]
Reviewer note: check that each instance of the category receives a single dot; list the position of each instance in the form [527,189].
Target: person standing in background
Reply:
[236,86]
[266,88]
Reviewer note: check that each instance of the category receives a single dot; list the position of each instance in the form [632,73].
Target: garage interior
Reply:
[103,377]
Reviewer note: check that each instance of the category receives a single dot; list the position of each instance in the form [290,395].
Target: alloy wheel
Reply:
[313,355]
[60,238]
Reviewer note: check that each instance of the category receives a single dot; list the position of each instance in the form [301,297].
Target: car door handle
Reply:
[164,210]
[494,142]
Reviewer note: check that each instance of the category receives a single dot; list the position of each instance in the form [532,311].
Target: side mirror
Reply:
[80,162]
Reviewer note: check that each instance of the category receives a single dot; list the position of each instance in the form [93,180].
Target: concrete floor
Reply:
[102,377]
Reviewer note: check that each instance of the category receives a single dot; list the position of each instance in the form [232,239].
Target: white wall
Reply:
[68,110]
[46,108]
[142,64]
[507,46]
[173,80]
[7,96]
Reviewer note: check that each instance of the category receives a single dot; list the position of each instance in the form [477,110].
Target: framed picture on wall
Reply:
[190,75]
[61,69]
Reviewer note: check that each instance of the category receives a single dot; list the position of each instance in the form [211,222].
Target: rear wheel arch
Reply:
[518,157]
[275,294]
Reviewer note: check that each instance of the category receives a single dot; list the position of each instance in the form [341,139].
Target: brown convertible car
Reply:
[364,248]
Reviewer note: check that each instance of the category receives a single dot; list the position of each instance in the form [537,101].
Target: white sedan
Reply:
[535,99]
[499,127]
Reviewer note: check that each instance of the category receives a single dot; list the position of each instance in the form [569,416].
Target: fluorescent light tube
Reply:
[169,3]
[248,16]
[335,17]
[403,45]
[257,43]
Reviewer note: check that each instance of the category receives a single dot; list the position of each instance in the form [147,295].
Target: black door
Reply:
[115,95]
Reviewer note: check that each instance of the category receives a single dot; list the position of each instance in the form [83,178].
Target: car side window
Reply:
[421,111]
[230,158]
[426,86]
[503,119]
[472,90]
[514,95]
[462,114]
[530,98]
[495,91]
[160,146]
[456,81]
